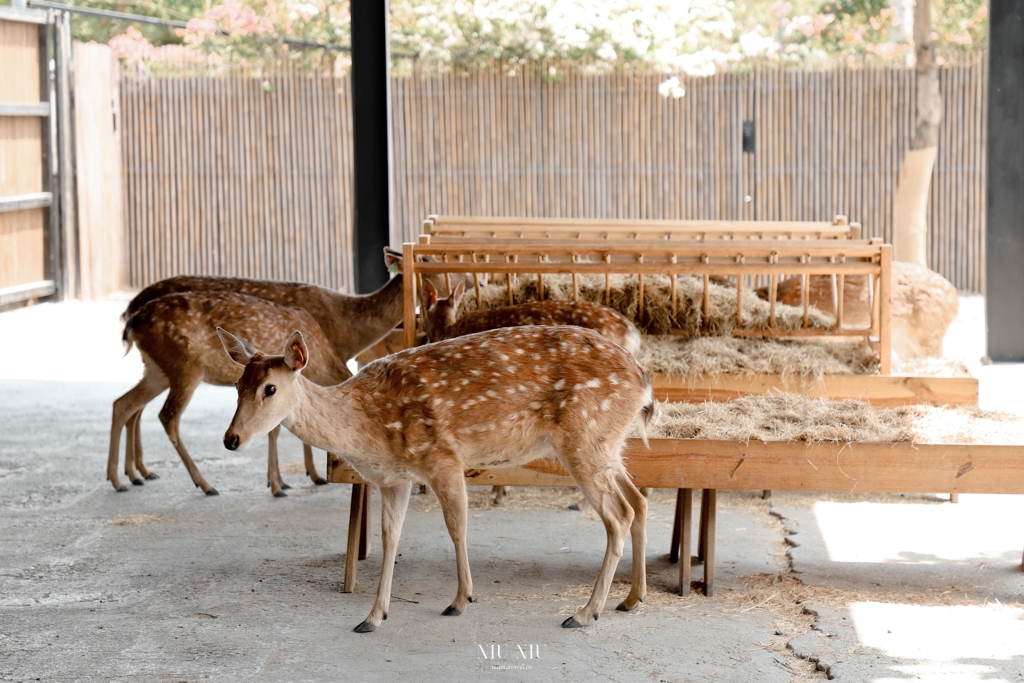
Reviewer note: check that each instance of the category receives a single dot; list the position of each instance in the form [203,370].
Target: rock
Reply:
[923,305]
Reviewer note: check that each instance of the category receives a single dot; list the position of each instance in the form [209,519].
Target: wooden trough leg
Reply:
[702,534]
[677,523]
[355,523]
[685,540]
[709,541]
[364,524]
[954,497]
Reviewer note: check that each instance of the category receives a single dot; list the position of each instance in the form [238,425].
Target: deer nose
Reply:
[231,442]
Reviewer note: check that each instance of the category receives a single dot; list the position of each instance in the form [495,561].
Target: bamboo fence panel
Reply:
[253,177]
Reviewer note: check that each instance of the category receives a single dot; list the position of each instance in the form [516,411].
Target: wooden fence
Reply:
[253,177]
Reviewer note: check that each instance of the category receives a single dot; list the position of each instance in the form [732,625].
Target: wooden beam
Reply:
[25,109]
[782,466]
[23,202]
[879,390]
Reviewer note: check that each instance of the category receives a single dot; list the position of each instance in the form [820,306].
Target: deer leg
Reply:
[131,448]
[148,388]
[307,456]
[499,494]
[450,488]
[602,490]
[394,501]
[135,438]
[274,480]
[638,535]
[170,418]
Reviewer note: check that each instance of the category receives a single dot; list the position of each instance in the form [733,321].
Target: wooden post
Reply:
[409,294]
[677,524]
[685,542]
[355,524]
[708,526]
[885,312]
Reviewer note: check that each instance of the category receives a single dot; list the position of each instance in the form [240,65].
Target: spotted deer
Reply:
[441,320]
[176,337]
[350,323]
[491,399]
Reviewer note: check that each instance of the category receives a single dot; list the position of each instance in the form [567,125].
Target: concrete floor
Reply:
[164,584]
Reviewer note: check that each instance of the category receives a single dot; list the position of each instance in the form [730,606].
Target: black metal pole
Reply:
[1004,232]
[371,115]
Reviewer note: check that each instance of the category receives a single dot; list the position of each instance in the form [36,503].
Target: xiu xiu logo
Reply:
[509,656]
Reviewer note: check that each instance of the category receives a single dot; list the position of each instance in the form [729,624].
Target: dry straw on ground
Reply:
[794,417]
[133,520]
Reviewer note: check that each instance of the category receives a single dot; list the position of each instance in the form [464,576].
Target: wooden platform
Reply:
[688,464]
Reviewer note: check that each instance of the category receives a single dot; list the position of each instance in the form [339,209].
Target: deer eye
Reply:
[270,390]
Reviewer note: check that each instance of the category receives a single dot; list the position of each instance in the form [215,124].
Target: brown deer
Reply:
[351,324]
[441,321]
[498,398]
[176,337]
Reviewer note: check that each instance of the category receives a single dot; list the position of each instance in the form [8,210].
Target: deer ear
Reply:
[240,350]
[429,293]
[393,260]
[456,296]
[296,356]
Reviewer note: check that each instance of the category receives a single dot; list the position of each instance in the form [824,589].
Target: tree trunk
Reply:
[929,101]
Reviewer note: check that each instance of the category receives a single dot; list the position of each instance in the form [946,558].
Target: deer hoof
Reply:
[152,476]
[280,494]
[571,623]
[212,492]
[365,627]
[470,598]
[138,482]
[122,488]
[451,612]
[319,481]
[622,607]
[285,486]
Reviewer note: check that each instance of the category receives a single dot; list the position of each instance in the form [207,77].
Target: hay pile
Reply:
[792,417]
[658,318]
[713,356]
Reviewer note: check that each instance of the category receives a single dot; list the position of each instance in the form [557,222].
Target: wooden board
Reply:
[22,247]
[797,466]
[19,55]
[99,178]
[879,390]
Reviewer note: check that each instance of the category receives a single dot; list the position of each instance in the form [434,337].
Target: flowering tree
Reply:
[675,37]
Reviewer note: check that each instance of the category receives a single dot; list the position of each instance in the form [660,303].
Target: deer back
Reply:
[607,322]
[497,397]
[178,333]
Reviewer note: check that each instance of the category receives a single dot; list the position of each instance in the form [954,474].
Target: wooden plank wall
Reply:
[486,144]
[99,177]
[22,233]
[237,176]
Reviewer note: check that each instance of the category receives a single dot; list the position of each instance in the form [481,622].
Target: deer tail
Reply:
[126,339]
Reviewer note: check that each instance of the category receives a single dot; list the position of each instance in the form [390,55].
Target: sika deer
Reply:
[175,335]
[350,323]
[441,321]
[498,398]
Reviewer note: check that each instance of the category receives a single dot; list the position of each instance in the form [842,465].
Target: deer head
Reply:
[439,315]
[267,388]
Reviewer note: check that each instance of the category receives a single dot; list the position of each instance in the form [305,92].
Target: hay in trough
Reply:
[793,417]
[658,317]
[712,356]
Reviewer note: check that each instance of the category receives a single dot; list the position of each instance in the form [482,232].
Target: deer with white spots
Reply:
[175,335]
[441,320]
[428,414]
